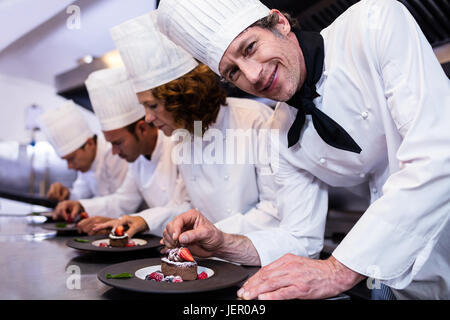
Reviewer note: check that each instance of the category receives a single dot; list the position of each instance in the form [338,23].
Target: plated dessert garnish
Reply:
[179,262]
[118,237]
[178,266]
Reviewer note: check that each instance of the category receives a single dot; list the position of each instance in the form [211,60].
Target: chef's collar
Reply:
[100,145]
[312,47]
[157,150]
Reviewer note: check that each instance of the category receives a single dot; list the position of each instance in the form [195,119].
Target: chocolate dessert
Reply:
[179,262]
[117,237]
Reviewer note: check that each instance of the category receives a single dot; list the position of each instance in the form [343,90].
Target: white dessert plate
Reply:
[92,243]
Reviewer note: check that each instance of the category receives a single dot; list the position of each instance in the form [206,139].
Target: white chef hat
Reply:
[205,28]
[113,99]
[65,128]
[150,58]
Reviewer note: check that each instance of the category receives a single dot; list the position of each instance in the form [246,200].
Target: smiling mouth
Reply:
[272,77]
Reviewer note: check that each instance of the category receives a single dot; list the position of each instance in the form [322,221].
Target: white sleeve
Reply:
[395,236]
[264,214]
[302,202]
[124,201]
[116,169]
[157,218]
[80,188]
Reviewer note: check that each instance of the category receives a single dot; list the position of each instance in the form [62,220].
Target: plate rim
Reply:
[52,226]
[71,243]
[135,284]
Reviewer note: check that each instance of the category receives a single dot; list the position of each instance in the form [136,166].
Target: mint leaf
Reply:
[123,275]
[81,240]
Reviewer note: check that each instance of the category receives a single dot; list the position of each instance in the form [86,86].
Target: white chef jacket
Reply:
[237,197]
[105,176]
[383,84]
[151,180]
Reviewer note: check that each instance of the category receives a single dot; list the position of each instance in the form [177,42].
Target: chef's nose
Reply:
[70,164]
[252,71]
[149,115]
[115,149]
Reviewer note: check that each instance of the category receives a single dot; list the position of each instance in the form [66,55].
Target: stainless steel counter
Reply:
[37,264]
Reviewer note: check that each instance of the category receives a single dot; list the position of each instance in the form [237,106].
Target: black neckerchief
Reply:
[330,131]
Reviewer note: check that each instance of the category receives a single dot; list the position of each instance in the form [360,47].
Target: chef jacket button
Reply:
[364,114]
[322,160]
[374,190]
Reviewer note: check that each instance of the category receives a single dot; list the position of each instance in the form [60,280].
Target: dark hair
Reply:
[271,20]
[94,137]
[131,128]
[196,96]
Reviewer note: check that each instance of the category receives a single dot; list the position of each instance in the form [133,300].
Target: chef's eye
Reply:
[233,74]
[152,106]
[249,48]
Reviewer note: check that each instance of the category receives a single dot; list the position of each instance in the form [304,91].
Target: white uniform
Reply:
[151,180]
[383,84]
[239,198]
[105,176]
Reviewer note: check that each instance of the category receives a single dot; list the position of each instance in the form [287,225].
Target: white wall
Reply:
[55,45]
[16,94]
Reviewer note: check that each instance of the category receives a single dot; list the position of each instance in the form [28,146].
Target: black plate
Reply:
[225,275]
[152,242]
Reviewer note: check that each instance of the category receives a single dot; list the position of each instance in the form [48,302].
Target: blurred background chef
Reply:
[151,174]
[99,171]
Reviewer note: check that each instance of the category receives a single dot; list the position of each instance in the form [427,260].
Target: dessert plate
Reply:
[92,243]
[221,275]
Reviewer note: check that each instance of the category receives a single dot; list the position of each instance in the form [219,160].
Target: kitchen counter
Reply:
[37,264]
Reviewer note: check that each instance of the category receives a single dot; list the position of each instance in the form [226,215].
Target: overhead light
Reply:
[85,60]
[112,59]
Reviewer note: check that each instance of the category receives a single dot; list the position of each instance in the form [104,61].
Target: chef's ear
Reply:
[141,127]
[90,142]
[282,25]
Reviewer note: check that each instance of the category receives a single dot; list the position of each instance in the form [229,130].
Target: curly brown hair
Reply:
[196,96]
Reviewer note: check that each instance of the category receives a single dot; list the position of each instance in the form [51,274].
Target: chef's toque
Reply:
[113,99]
[65,128]
[205,28]
[150,58]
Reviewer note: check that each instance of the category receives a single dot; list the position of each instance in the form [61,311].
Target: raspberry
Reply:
[202,276]
[177,279]
[102,245]
[155,276]
[130,244]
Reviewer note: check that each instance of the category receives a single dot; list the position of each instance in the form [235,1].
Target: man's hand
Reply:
[58,192]
[295,277]
[191,229]
[67,210]
[87,225]
[135,225]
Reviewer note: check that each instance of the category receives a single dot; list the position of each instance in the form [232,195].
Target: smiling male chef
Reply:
[366,102]
[152,176]
[99,171]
